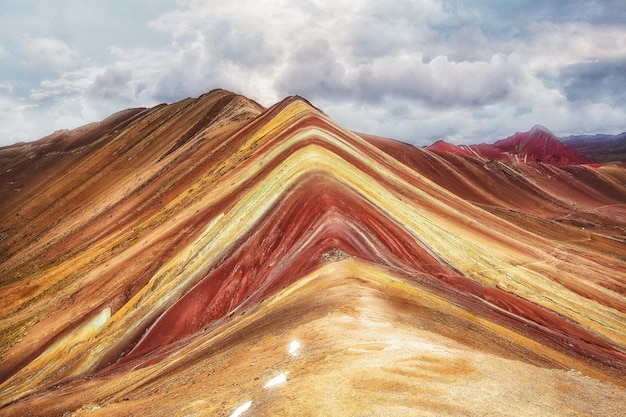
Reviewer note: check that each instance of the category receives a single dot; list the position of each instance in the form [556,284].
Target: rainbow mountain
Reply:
[214,257]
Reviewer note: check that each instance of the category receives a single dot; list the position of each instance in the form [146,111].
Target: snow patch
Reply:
[241,409]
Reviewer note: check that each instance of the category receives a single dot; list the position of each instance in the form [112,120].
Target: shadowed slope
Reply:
[235,226]
[602,148]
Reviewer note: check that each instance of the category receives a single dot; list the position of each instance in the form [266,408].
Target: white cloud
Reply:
[410,69]
[554,45]
[6,87]
[113,83]
[49,54]
[312,70]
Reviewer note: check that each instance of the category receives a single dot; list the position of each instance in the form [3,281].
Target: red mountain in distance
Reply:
[536,145]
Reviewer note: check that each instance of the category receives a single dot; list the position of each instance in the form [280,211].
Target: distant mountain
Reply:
[602,148]
[536,145]
[541,145]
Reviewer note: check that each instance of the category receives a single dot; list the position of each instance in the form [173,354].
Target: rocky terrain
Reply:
[214,257]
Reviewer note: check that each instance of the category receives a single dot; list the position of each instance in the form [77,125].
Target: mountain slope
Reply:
[603,148]
[190,253]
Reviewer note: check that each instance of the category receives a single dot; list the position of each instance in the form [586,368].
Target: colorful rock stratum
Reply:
[212,257]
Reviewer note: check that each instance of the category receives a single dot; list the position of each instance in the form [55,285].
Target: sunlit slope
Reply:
[347,339]
[152,247]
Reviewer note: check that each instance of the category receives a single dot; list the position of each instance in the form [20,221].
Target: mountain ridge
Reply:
[603,148]
[174,245]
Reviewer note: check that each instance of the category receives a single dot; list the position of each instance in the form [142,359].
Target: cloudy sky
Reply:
[416,70]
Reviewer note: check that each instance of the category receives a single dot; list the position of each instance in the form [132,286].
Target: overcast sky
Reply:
[416,70]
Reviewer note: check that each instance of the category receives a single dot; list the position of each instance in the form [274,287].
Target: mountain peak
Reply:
[540,129]
[539,144]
